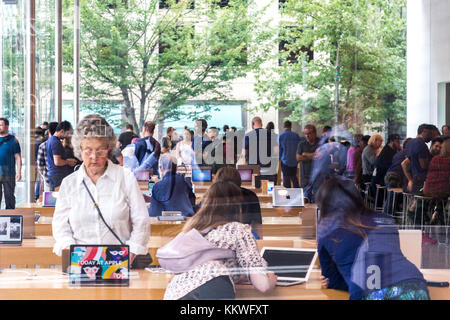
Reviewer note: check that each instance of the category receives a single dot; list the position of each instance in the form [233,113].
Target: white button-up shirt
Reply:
[77,221]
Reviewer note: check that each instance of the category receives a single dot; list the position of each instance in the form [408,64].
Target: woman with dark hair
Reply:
[359,249]
[218,221]
[251,208]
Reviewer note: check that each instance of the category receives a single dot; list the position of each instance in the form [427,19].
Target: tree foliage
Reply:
[369,36]
[154,60]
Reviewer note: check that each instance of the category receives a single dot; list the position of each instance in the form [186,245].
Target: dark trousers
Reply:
[7,186]
[218,288]
[55,181]
[289,175]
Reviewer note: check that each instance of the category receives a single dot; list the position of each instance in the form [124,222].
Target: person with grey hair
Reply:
[100,203]
[173,192]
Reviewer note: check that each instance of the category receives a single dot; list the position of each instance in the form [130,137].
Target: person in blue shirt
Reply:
[10,157]
[359,249]
[173,192]
[58,162]
[147,150]
[288,142]
[418,157]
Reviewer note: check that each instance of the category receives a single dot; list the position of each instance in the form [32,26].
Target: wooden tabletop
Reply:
[43,211]
[287,226]
[51,284]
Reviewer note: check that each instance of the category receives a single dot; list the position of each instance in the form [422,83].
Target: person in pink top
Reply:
[350,167]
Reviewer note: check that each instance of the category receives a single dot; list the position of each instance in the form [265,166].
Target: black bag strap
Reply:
[5,139]
[100,213]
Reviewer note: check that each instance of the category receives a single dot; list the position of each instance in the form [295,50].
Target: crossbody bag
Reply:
[140,261]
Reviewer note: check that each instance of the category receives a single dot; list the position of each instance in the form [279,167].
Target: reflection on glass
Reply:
[45,61]
[12,75]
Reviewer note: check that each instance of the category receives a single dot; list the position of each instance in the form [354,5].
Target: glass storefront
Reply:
[13,77]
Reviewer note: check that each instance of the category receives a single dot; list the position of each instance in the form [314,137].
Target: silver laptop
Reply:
[291,265]
[287,197]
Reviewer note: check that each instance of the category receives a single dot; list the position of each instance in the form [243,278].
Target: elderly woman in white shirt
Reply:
[115,189]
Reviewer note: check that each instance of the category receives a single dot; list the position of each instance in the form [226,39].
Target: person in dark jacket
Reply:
[147,150]
[173,192]
[359,249]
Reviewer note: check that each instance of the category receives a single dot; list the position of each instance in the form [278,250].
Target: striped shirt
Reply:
[41,162]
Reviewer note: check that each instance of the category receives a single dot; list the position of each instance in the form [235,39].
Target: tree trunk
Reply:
[128,110]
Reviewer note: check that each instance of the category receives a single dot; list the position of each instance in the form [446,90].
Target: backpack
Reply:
[129,159]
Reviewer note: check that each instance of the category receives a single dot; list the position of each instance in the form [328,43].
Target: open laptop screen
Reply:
[290,263]
[50,198]
[201,175]
[11,229]
[246,175]
[99,264]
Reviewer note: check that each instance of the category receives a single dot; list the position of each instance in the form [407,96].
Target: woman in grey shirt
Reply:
[369,156]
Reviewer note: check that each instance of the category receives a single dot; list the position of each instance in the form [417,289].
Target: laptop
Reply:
[171,216]
[255,168]
[287,197]
[11,230]
[201,175]
[49,198]
[99,265]
[143,175]
[246,175]
[291,265]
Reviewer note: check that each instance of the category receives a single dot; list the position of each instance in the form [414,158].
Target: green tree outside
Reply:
[153,60]
[362,43]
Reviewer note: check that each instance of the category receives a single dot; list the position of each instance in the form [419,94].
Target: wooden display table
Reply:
[39,251]
[43,211]
[51,284]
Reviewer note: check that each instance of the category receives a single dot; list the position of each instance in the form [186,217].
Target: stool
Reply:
[408,199]
[375,205]
[396,194]
[366,194]
[423,200]
[446,213]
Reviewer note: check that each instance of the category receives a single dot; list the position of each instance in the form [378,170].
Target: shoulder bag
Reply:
[140,261]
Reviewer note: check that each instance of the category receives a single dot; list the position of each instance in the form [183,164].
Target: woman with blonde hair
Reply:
[369,156]
[218,221]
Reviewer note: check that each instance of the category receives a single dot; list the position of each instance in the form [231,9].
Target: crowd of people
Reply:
[411,165]
[100,200]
